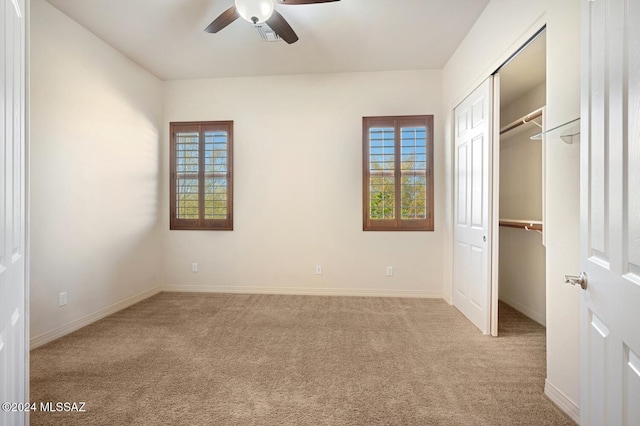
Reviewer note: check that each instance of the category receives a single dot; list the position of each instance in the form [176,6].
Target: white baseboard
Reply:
[63,330]
[562,401]
[536,316]
[303,291]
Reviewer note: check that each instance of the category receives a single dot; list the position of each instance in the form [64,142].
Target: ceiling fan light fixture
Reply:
[255,11]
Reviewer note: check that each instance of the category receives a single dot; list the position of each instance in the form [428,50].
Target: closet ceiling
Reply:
[526,71]
[167,36]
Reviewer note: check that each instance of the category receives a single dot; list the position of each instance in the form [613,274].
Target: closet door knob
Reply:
[484,238]
[580,280]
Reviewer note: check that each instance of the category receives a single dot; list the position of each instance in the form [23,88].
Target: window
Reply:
[202,175]
[398,173]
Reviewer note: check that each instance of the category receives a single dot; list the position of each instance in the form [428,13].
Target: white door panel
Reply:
[632,383]
[471,282]
[610,213]
[13,335]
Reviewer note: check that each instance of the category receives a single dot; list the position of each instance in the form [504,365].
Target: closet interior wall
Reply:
[521,252]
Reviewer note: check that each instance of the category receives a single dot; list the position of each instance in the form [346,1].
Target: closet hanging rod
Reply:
[528,225]
[523,120]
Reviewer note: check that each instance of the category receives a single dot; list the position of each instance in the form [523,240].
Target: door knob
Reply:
[580,280]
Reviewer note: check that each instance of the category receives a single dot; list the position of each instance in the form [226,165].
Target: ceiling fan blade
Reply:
[227,17]
[305,1]
[281,27]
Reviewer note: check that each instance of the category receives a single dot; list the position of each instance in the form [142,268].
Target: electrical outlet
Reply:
[62,299]
[194,267]
[389,271]
[318,270]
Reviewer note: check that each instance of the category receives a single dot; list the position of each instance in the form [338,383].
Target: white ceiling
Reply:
[167,36]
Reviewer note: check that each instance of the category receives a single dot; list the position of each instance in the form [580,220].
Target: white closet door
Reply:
[471,261]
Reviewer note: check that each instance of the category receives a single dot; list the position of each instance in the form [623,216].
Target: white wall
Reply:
[95,156]
[563,198]
[298,187]
[502,28]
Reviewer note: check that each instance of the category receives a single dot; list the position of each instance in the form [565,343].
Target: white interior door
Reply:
[472,238]
[13,352]
[610,213]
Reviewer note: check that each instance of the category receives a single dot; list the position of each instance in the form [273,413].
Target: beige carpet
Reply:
[215,359]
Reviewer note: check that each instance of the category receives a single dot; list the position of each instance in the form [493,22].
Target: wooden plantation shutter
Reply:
[202,175]
[398,173]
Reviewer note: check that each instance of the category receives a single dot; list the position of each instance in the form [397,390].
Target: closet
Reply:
[521,271]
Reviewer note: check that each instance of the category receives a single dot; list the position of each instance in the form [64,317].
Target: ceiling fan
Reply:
[259,12]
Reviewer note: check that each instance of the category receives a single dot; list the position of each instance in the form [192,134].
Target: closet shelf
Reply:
[570,130]
[529,225]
